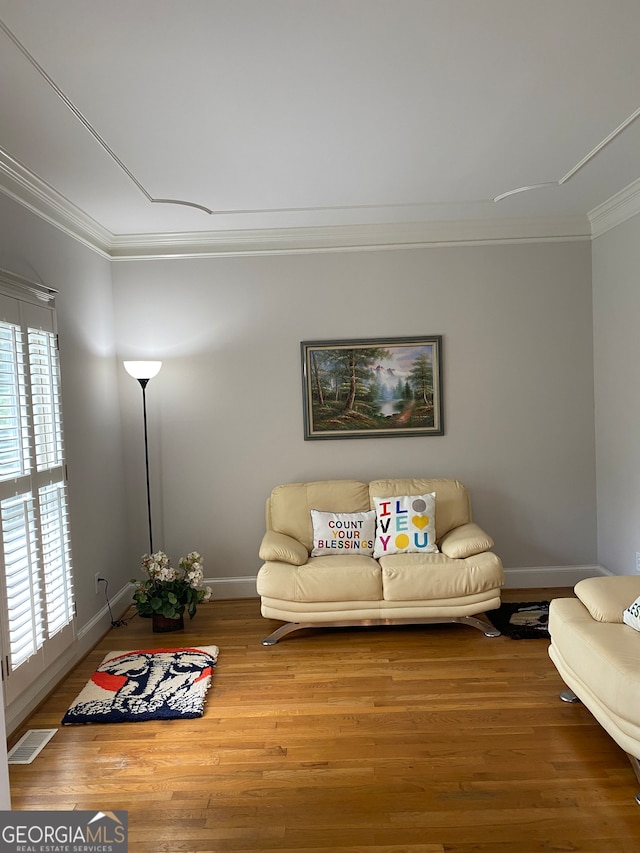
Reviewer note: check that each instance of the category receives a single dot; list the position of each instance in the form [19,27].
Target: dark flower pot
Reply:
[162,625]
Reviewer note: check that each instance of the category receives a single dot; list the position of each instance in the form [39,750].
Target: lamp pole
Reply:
[143,385]
[143,371]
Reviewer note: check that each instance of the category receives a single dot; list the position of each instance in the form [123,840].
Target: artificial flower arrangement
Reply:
[168,591]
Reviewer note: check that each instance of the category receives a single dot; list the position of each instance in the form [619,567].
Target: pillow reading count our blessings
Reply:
[405,525]
[341,532]
[631,616]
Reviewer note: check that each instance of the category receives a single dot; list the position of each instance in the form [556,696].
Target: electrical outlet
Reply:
[97,580]
[638,562]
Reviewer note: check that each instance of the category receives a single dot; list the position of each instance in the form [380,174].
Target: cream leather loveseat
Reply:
[456,583]
[598,656]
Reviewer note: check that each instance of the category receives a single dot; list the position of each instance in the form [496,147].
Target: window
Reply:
[36,584]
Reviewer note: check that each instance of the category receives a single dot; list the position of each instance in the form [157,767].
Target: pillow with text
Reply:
[405,525]
[631,616]
[343,532]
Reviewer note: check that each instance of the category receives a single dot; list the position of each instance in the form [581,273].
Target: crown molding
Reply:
[615,210]
[26,188]
[348,238]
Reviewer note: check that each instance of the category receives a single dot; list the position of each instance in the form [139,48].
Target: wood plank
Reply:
[380,740]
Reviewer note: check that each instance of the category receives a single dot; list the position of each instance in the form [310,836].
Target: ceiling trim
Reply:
[349,238]
[29,190]
[615,210]
[25,187]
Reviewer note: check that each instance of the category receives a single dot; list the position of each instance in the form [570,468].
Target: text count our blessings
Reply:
[346,536]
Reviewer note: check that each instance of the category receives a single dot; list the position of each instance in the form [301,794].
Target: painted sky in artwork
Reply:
[403,357]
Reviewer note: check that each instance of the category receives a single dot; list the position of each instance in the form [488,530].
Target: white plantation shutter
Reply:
[54,531]
[45,398]
[36,589]
[14,438]
[24,595]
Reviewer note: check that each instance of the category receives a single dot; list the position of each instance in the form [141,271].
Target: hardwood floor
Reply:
[377,740]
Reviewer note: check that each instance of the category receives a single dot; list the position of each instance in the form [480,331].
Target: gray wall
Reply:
[36,250]
[226,409]
[225,413]
[616,303]
[528,331]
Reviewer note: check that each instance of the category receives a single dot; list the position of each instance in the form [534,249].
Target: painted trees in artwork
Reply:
[421,379]
[359,366]
[344,375]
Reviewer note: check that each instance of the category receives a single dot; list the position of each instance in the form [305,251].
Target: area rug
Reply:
[523,620]
[146,684]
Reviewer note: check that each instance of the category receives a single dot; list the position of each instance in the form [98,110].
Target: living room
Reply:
[540,353]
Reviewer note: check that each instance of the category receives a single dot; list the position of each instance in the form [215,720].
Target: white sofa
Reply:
[598,656]
[457,584]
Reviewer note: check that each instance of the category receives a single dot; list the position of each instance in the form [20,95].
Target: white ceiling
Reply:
[389,115]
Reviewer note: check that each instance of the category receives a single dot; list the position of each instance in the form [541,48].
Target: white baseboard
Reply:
[549,576]
[86,638]
[222,588]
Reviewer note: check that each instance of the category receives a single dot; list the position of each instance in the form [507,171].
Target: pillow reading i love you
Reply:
[405,525]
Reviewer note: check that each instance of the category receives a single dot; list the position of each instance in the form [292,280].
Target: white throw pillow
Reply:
[343,532]
[405,525]
[631,616]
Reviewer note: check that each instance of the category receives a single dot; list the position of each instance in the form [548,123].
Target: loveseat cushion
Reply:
[408,577]
[607,597]
[290,505]
[335,578]
[453,506]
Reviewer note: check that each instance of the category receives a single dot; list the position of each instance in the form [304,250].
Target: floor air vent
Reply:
[30,744]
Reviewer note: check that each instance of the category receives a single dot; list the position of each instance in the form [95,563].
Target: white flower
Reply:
[165,580]
[195,577]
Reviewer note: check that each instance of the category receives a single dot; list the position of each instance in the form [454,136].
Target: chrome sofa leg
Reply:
[479,621]
[569,696]
[283,630]
[635,763]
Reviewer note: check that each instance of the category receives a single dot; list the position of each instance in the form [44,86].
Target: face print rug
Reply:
[146,684]
[527,620]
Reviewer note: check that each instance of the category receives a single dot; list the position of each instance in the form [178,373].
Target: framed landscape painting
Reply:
[372,388]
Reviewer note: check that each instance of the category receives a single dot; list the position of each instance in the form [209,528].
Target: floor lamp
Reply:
[143,371]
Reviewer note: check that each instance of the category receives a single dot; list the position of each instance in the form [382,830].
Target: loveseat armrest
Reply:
[465,541]
[280,548]
[607,597]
